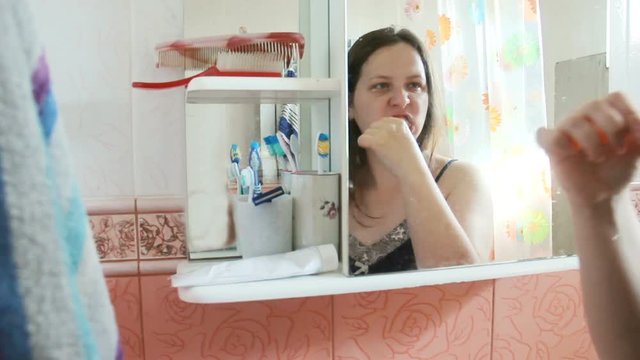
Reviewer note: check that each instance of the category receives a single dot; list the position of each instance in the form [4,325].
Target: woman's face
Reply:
[392,84]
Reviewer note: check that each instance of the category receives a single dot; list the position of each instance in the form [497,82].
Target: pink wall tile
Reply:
[437,322]
[162,235]
[533,317]
[125,297]
[540,317]
[114,236]
[285,329]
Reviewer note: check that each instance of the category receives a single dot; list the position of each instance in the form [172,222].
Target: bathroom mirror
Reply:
[503,70]
[486,124]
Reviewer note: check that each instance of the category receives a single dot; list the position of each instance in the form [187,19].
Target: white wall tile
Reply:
[158,115]
[88,48]
[221,17]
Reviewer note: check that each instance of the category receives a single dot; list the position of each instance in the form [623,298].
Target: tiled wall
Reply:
[533,317]
[141,240]
[138,236]
[125,142]
[529,317]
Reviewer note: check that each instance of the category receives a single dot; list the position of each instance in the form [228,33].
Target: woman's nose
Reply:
[399,97]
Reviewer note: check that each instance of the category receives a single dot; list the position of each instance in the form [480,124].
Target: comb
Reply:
[202,53]
[261,55]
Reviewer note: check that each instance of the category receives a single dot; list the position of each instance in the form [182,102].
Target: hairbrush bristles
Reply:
[248,55]
[202,53]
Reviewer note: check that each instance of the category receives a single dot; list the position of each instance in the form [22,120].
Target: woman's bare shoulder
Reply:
[459,173]
[456,169]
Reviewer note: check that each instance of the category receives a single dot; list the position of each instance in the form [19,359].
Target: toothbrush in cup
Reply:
[255,163]
[274,146]
[234,156]
[323,148]
[246,181]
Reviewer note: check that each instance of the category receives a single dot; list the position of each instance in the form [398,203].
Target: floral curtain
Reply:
[490,54]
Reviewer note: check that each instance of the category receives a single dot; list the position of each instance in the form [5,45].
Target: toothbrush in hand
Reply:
[323,148]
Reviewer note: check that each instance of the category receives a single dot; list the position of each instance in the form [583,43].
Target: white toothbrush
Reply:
[294,144]
[284,144]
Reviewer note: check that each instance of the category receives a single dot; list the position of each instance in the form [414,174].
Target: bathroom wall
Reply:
[532,317]
[125,142]
[139,135]
[586,36]
[128,148]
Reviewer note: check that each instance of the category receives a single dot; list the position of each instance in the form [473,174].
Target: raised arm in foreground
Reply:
[593,155]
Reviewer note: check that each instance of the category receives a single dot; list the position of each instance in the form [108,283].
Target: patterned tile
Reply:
[541,317]
[283,329]
[114,236]
[162,235]
[125,297]
[436,322]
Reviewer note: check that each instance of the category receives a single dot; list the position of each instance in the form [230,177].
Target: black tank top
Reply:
[393,252]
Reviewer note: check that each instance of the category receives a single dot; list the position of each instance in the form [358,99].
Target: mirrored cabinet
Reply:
[496,91]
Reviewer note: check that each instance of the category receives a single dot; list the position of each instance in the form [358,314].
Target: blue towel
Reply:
[54,302]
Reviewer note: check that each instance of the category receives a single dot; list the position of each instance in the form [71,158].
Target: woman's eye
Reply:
[380,86]
[416,86]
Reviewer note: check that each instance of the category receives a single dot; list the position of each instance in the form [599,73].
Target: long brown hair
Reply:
[359,53]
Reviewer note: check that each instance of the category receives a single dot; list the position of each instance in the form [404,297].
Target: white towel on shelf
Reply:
[307,261]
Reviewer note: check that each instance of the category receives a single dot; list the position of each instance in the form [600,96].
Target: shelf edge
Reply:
[336,283]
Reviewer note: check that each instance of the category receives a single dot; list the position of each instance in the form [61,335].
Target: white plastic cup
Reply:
[265,229]
[316,209]
[285,181]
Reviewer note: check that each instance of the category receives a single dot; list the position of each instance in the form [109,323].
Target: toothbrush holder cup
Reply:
[316,209]
[265,229]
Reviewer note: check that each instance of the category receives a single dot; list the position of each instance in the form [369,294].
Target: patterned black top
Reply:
[394,252]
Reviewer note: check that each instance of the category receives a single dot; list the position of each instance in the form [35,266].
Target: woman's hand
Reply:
[593,152]
[391,140]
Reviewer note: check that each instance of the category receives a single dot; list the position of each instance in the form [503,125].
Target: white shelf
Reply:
[336,283]
[266,90]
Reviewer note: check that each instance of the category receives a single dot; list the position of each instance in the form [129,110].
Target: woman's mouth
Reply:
[408,120]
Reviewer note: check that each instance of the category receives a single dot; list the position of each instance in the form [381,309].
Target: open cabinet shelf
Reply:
[230,90]
[335,283]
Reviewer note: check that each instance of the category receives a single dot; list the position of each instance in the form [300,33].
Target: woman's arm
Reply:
[443,231]
[454,230]
[593,154]
[607,237]
[471,201]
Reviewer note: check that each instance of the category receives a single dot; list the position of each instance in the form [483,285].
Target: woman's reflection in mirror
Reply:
[593,155]
[409,208]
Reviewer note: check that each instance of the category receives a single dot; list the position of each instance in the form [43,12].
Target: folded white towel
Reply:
[311,260]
